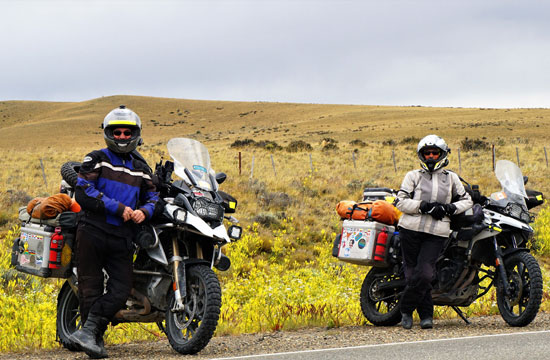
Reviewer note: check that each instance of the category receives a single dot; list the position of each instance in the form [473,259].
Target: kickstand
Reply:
[461,314]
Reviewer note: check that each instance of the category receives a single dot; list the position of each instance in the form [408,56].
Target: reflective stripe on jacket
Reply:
[442,186]
[108,182]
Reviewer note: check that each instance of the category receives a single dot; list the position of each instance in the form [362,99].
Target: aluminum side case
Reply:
[31,252]
[359,239]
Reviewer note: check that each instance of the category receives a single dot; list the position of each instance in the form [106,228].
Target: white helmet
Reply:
[122,118]
[433,141]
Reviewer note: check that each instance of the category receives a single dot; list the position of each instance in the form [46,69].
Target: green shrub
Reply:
[541,241]
[242,143]
[358,142]
[474,144]
[298,145]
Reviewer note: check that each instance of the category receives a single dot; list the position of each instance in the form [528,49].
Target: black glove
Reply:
[435,210]
[450,209]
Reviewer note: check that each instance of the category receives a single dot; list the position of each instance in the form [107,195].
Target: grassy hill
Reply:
[28,124]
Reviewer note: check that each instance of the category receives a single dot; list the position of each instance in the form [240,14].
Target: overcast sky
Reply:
[482,53]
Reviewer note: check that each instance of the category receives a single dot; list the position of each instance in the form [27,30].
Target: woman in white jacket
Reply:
[427,198]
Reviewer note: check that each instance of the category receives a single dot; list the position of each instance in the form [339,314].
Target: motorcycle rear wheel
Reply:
[68,317]
[190,330]
[525,281]
[380,307]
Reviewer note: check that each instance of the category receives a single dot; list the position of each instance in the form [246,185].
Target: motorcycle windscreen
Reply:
[510,177]
[192,155]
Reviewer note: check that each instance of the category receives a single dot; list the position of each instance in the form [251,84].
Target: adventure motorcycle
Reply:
[488,242]
[173,281]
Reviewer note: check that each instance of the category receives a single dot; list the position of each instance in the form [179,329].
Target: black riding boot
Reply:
[87,336]
[100,342]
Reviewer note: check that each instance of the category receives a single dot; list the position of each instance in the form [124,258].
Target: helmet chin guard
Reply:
[122,117]
[435,142]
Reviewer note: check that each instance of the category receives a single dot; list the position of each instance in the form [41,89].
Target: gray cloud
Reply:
[434,53]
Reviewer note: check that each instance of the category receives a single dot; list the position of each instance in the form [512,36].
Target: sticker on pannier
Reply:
[364,242]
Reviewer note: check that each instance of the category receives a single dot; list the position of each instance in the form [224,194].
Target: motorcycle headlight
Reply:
[207,210]
[516,211]
[180,215]
[235,232]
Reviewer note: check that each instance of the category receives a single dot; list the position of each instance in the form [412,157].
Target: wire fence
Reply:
[276,164]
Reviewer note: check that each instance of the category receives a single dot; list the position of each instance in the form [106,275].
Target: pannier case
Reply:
[372,194]
[362,243]
[32,251]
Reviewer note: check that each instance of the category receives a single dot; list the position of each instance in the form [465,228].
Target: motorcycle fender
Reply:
[221,233]
[511,251]
[199,224]
[189,262]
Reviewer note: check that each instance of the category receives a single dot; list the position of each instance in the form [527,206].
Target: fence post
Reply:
[273,163]
[459,162]
[393,157]
[43,173]
[252,168]
[546,156]
[493,146]
[353,158]
[311,163]
[239,163]
[517,156]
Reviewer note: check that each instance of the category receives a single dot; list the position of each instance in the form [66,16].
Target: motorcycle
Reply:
[174,284]
[487,247]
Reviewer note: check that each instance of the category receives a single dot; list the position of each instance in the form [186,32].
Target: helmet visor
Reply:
[112,131]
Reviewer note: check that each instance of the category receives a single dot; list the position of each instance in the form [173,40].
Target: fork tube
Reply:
[179,276]
[499,264]
[514,242]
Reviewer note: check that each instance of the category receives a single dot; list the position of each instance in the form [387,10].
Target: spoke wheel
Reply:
[520,306]
[190,329]
[68,317]
[380,307]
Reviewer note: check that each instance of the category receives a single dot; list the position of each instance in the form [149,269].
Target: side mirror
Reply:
[220,177]
[525,179]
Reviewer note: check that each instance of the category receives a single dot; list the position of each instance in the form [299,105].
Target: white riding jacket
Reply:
[442,186]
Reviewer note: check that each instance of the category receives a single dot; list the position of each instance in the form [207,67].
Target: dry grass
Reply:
[289,210]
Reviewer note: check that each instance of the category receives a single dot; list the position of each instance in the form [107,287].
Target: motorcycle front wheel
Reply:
[68,317]
[190,330]
[520,306]
[379,299]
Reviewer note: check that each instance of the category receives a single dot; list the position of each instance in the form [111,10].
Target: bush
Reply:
[298,145]
[354,185]
[326,141]
[268,145]
[242,143]
[474,144]
[266,219]
[389,142]
[410,140]
[541,241]
[358,142]
[330,146]
[279,200]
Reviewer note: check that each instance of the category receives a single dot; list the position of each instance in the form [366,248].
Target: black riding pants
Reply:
[420,253]
[98,250]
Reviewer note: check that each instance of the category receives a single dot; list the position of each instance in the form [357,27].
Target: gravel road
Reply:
[315,338]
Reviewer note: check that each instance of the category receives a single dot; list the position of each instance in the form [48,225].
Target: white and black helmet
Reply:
[122,117]
[433,141]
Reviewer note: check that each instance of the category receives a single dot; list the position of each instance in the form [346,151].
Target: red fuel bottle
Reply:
[56,245]
[380,249]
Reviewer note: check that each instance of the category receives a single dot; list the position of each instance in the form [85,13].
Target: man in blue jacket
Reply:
[115,191]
